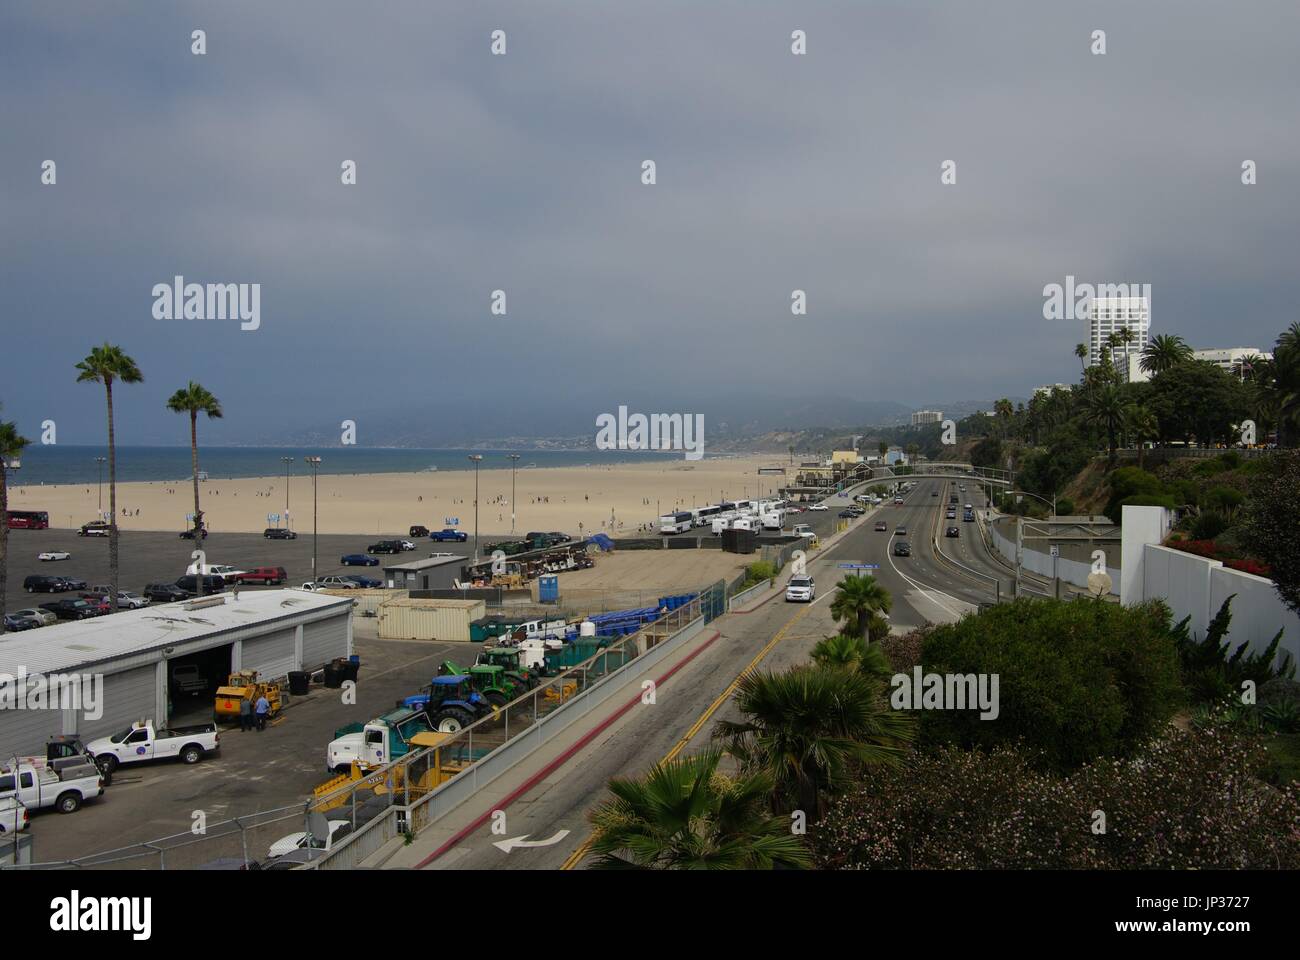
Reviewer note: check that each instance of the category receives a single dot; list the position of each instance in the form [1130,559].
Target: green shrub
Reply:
[1211,673]
[1065,507]
[758,571]
[1077,680]
[1208,526]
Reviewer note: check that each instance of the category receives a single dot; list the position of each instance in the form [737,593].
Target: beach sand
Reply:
[616,499]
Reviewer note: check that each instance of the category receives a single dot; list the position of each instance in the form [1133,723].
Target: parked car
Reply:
[141,741]
[225,571]
[43,617]
[418,531]
[189,534]
[333,583]
[448,533]
[14,623]
[164,593]
[406,544]
[74,583]
[96,528]
[362,581]
[819,506]
[39,584]
[358,560]
[189,678]
[279,533]
[54,555]
[211,584]
[99,601]
[803,530]
[846,515]
[902,548]
[952,532]
[385,546]
[130,600]
[269,575]
[71,608]
[302,840]
[800,589]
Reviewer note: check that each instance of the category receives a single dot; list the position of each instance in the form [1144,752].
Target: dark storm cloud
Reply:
[521,172]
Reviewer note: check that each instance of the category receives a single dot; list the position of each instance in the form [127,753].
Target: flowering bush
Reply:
[1189,800]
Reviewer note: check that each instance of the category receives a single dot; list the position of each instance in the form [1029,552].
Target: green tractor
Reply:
[510,659]
[490,680]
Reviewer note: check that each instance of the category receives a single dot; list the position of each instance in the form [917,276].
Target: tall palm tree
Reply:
[810,728]
[848,652]
[883,447]
[1143,424]
[11,448]
[858,599]
[1105,407]
[194,399]
[1164,352]
[106,364]
[1081,351]
[684,815]
[912,450]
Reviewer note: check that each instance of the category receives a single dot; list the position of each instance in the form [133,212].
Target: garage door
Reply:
[24,732]
[128,696]
[323,641]
[271,655]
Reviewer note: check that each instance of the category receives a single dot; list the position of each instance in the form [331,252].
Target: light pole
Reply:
[101,461]
[514,462]
[314,462]
[286,461]
[476,459]
[1020,527]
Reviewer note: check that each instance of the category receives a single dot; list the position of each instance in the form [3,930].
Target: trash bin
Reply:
[299,682]
[350,670]
[333,676]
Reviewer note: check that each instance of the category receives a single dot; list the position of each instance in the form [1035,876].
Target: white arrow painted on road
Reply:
[505,846]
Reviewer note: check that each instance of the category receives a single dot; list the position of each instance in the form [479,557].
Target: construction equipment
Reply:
[511,661]
[330,795]
[245,685]
[452,702]
[489,679]
[560,691]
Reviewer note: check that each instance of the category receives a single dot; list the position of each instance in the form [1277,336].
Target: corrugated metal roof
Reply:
[433,603]
[425,564]
[70,645]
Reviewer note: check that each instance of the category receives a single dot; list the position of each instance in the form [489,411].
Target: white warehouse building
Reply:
[136,653]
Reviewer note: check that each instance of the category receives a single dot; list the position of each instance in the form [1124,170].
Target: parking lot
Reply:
[253,771]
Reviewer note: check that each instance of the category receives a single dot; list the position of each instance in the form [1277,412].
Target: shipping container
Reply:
[366,601]
[404,618]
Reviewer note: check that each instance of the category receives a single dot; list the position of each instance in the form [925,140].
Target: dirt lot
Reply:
[653,573]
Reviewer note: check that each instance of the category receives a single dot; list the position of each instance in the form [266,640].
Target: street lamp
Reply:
[476,459]
[314,463]
[514,462]
[286,461]
[101,461]
[1020,531]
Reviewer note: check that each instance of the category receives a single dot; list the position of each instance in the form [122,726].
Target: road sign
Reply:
[858,566]
[272,518]
[1054,550]
[451,521]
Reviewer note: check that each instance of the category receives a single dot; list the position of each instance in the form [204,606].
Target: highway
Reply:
[777,635]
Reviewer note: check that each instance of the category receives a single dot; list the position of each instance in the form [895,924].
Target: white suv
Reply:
[800,589]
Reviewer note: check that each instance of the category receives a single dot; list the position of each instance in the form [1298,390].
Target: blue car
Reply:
[359,560]
[361,581]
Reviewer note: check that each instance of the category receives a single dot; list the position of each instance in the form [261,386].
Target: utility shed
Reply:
[406,618]
[128,662]
[431,573]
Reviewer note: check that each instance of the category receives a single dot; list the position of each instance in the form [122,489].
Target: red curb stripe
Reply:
[562,758]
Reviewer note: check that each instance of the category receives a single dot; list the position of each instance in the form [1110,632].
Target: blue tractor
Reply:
[451,702]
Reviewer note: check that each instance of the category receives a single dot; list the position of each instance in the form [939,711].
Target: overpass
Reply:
[932,471]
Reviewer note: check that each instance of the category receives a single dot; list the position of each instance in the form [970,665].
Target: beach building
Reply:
[135,657]
[431,573]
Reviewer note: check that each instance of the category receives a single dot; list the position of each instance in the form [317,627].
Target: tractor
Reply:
[490,680]
[452,702]
[510,660]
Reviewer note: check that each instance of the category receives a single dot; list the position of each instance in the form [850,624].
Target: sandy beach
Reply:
[619,498]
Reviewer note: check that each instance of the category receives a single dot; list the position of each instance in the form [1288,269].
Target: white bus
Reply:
[675,522]
[704,516]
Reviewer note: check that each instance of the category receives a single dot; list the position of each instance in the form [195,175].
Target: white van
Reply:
[774,520]
[745,523]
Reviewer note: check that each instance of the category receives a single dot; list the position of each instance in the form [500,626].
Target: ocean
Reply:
[76,464]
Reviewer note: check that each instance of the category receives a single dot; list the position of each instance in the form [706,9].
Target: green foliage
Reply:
[1224,499]
[1065,507]
[1077,680]
[1185,492]
[1271,520]
[987,453]
[1211,673]
[684,815]
[758,571]
[1129,482]
[857,600]
[1208,526]
[1187,800]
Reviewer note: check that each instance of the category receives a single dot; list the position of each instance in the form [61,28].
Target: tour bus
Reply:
[704,516]
[28,519]
[675,522]
[774,519]
[744,508]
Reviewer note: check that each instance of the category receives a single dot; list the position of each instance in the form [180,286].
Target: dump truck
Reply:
[378,742]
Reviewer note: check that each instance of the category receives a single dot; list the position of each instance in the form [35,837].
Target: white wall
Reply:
[1141,526]
[1182,579]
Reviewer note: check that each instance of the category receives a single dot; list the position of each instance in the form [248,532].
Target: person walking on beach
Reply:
[263,708]
[245,714]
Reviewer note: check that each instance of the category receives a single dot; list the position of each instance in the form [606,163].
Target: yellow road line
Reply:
[577,856]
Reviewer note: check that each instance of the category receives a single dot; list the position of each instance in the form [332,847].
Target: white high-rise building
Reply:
[1107,315]
[921,417]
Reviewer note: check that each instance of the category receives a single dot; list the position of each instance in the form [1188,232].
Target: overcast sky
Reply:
[523,173]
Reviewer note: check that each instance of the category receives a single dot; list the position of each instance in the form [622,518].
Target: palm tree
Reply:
[809,728]
[844,651]
[1105,407]
[883,447]
[104,365]
[1081,351]
[11,448]
[685,815]
[194,399]
[1286,379]
[1144,426]
[1164,352]
[858,599]
[912,450]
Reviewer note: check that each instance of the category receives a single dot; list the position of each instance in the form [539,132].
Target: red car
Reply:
[268,575]
[98,602]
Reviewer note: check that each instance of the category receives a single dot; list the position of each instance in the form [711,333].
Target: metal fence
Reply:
[225,844]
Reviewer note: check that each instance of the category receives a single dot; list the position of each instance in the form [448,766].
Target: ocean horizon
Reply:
[59,464]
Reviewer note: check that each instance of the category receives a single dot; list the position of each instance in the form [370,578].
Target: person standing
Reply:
[263,708]
[245,714]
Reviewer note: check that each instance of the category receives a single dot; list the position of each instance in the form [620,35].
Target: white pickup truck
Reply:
[41,786]
[141,741]
[13,816]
